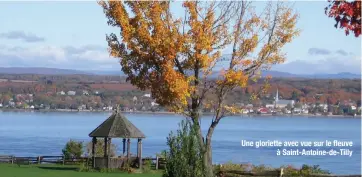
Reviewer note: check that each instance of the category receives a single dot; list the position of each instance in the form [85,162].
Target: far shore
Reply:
[172,113]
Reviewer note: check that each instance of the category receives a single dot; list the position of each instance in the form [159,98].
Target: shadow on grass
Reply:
[60,168]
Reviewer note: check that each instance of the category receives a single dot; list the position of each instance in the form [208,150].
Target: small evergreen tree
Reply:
[73,149]
[184,157]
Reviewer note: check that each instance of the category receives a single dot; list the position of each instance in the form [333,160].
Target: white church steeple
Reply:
[276,99]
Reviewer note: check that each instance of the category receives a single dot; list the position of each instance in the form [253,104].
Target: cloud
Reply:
[342,52]
[318,51]
[20,35]
[83,57]
[330,65]
[94,57]
[323,52]
[77,50]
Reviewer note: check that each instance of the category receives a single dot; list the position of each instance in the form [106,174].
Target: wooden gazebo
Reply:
[116,126]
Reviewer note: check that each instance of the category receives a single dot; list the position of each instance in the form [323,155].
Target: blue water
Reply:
[37,133]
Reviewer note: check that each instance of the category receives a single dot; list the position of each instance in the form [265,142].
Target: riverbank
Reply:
[75,110]
[172,113]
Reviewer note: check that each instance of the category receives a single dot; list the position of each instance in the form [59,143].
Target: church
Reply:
[282,103]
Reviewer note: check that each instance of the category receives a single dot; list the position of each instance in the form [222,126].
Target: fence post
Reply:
[281,172]
[156,162]
[63,158]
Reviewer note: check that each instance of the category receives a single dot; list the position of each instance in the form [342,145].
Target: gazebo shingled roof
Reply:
[117,126]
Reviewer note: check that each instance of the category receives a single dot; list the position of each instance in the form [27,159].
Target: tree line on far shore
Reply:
[104,91]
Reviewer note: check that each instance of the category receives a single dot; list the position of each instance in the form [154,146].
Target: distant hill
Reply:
[55,71]
[40,70]
[344,75]
[106,73]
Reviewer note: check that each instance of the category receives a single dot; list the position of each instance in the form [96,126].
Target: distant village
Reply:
[282,106]
[92,101]
[75,101]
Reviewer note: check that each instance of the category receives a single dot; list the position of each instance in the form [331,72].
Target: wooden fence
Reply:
[156,163]
[43,160]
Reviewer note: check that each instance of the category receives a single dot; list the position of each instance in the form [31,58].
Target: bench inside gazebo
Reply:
[116,126]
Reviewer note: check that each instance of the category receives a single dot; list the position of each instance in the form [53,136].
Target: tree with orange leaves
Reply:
[175,57]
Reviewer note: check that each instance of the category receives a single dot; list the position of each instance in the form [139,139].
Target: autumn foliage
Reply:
[157,53]
[174,56]
[347,15]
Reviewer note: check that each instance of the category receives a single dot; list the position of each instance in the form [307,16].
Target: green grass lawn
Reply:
[8,170]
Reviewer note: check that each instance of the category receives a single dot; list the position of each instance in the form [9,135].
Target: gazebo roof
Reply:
[117,126]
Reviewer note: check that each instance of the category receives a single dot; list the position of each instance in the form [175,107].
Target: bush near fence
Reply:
[243,170]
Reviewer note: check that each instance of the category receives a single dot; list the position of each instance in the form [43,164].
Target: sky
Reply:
[71,35]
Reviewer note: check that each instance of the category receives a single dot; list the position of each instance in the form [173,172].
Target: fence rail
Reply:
[42,160]
[157,163]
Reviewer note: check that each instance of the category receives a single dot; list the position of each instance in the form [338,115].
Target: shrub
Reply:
[315,169]
[73,149]
[289,170]
[83,167]
[184,157]
[99,149]
[146,168]
[305,171]
[261,168]
[162,154]
[103,170]
[127,168]
[218,169]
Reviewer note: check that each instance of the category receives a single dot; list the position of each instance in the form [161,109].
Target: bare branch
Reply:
[250,70]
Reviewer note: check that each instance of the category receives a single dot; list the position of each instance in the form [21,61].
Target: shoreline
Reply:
[172,113]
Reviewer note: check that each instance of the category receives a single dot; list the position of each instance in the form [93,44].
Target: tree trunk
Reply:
[206,150]
[209,172]
[205,146]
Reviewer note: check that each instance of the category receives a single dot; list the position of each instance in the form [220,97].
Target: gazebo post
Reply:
[105,150]
[109,146]
[128,149]
[138,147]
[124,146]
[94,141]
[109,151]
[139,152]
[105,146]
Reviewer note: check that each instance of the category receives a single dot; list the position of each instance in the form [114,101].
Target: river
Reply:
[45,133]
